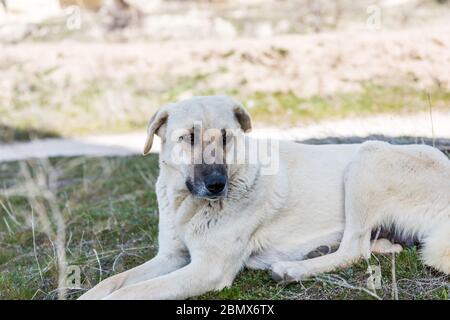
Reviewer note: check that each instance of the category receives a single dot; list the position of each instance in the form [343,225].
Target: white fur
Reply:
[321,195]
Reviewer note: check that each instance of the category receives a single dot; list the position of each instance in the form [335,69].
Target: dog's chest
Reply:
[194,220]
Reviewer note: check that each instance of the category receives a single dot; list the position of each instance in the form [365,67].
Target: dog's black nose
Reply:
[215,184]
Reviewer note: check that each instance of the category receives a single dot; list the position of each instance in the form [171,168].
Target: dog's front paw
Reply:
[94,294]
[103,289]
[136,292]
[289,271]
[117,295]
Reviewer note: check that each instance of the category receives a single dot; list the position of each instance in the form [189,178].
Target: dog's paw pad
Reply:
[285,278]
[286,272]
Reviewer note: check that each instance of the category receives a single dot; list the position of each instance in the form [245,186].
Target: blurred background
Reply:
[71,68]
[79,80]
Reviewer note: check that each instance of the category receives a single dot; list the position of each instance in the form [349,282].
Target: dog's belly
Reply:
[313,212]
[292,251]
[295,233]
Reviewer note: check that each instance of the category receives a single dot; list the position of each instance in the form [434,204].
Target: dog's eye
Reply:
[188,138]
[224,137]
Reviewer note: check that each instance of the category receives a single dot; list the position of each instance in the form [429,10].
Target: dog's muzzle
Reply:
[210,182]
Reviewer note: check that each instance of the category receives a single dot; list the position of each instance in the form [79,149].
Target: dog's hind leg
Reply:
[361,211]
[436,250]
[355,243]
[383,185]
[385,246]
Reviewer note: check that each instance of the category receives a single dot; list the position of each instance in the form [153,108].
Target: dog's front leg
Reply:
[171,256]
[161,264]
[200,276]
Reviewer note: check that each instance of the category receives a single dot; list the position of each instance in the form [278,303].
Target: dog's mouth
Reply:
[217,197]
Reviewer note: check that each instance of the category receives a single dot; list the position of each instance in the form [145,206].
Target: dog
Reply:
[216,218]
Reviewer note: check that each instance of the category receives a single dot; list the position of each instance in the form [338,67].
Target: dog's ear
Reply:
[243,117]
[156,121]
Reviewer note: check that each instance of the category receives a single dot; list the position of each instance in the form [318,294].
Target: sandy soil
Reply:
[307,64]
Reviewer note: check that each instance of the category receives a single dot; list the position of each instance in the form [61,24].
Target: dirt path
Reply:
[416,128]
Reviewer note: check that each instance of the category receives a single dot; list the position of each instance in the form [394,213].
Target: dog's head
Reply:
[196,136]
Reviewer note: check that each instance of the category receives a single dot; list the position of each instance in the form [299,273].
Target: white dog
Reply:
[216,218]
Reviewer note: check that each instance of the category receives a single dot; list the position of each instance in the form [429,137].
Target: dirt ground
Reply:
[307,64]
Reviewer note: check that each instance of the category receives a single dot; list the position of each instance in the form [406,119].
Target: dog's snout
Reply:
[215,184]
[209,181]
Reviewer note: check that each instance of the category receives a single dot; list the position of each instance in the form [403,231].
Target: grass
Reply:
[110,213]
[287,107]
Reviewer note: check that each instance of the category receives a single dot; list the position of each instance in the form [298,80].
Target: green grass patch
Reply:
[290,108]
[110,212]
